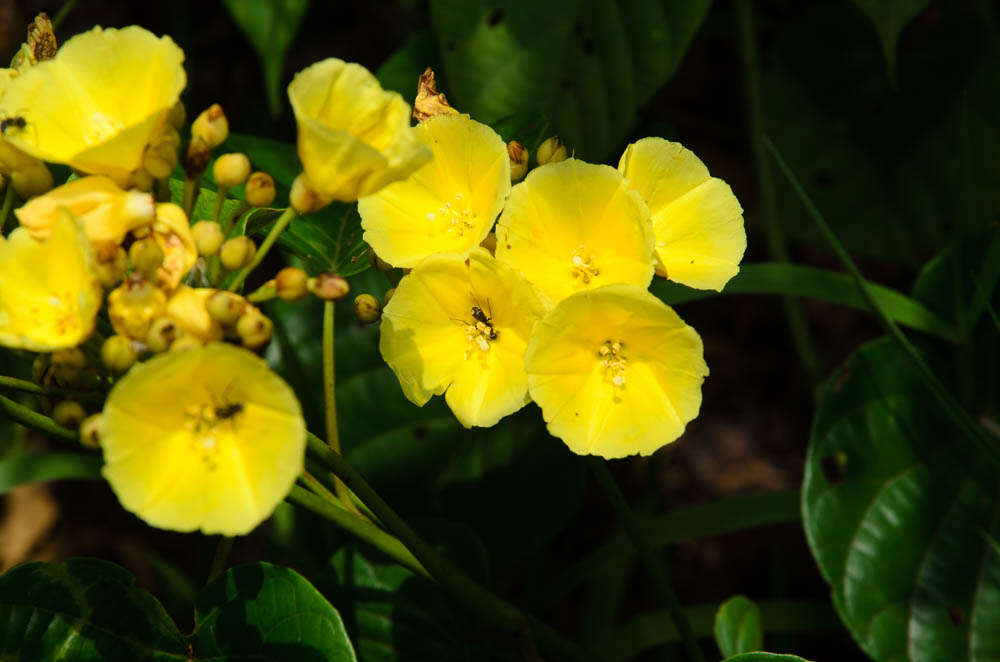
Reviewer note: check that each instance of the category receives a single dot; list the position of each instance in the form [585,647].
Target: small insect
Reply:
[13,122]
[226,409]
[483,318]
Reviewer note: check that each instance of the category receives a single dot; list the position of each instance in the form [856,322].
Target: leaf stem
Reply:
[220,199]
[653,563]
[971,430]
[330,398]
[32,419]
[31,387]
[777,245]
[222,549]
[491,608]
[279,225]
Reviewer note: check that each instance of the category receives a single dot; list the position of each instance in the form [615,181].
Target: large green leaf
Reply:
[271,26]
[765,657]
[738,627]
[589,64]
[889,17]
[263,612]
[18,469]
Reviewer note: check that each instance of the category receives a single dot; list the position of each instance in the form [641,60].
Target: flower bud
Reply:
[178,115]
[31,180]
[211,126]
[260,190]
[118,354]
[90,431]
[162,333]
[39,367]
[133,306]
[231,169]
[304,199]
[291,284]
[254,329]
[518,160]
[225,307]
[367,308]
[66,365]
[551,151]
[187,341]
[146,256]
[196,158]
[237,252]
[377,262]
[387,297]
[160,156]
[69,414]
[207,237]
[329,287]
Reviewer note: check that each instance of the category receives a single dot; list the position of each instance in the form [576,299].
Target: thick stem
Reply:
[330,397]
[653,563]
[32,419]
[279,226]
[492,609]
[777,245]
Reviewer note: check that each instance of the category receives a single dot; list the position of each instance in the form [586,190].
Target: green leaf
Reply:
[889,17]
[83,610]
[589,65]
[403,68]
[260,611]
[814,283]
[271,26]
[529,127]
[32,467]
[765,657]
[738,627]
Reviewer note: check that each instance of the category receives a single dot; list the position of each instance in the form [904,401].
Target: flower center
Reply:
[103,127]
[613,362]
[203,422]
[583,266]
[457,216]
[479,332]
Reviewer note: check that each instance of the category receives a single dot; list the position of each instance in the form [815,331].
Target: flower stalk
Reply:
[279,226]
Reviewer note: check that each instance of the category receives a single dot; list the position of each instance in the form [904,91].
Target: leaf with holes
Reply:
[589,65]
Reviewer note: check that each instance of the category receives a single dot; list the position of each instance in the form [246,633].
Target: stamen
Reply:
[583,267]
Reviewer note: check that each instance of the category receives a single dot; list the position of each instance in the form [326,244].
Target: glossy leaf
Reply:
[738,627]
[271,26]
[19,469]
[889,17]
[261,611]
[590,65]
[765,657]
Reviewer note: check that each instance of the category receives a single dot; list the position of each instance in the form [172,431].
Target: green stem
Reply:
[31,387]
[279,225]
[777,245]
[330,397]
[32,419]
[221,556]
[227,224]
[220,199]
[63,12]
[8,203]
[163,190]
[190,195]
[362,529]
[653,563]
[492,609]
[971,430]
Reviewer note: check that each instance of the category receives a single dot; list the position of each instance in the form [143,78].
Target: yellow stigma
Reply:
[583,267]
[613,362]
[457,216]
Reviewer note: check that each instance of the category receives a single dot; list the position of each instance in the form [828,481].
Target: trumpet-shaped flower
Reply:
[107,212]
[98,103]
[207,439]
[697,221]
[354,137]
[615,371]
[448,205]
[572,226]
[460,326]
[49,296]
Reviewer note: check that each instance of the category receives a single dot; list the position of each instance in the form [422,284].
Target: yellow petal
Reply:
[354,137]
[186,308]
[462,325]
[573,226]
[172,232]
[11,158]
[205,439]
[49,297]
[615,371]
[697,220]
[96,104]
[448,205]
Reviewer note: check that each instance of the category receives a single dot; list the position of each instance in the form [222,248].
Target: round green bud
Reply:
[207,237]
[552,150]
[367,308]
[225,307]
[260,190]
[231,169]
[117,354]
[237,252]
[291,284]
[69,414]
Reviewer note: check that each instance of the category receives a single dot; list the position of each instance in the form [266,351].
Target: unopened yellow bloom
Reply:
[615,371]
[354,137]
[172,232]
[48,295]
[572,226]
[208,439]
[448,205]
[107,212]
[98,103]
[697,221]
[461,325]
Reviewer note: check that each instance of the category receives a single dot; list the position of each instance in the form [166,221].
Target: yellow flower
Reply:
[207,439]
[173,234]
[354,137]
[107,212]
[697,220]
[449,205]
[615,371]
[461,325]
[48,295]
[134,305]
[96,104]
[572,226]
[11,158]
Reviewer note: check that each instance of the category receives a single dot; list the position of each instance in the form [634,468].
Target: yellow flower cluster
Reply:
[561,315]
